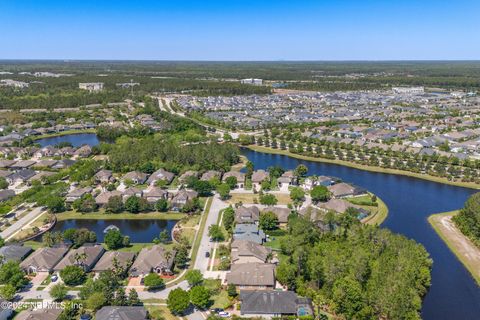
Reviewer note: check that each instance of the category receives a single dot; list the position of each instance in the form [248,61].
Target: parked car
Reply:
[54,278]
[207,254]
[224,314]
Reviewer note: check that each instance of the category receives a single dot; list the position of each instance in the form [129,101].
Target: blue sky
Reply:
[240,30]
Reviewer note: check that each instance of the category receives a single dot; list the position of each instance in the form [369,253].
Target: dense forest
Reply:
[468,219]
[160,152]
[358,271]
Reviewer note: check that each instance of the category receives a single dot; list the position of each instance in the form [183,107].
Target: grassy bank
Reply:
[63,133]
[379,215]
[366,167]
[461,246]
[101,215]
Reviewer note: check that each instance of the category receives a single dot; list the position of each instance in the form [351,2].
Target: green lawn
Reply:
[275,238]
[160,312]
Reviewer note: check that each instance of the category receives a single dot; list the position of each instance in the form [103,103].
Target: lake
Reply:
[453,294]
[76,139]
[142,231]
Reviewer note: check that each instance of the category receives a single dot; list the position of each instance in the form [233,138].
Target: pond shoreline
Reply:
[470,185]
[73,215]
[463,248]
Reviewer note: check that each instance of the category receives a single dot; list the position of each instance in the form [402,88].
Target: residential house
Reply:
[122,313]
[40,314]
[47,151]
[244,251]
[6,194]
[39,176]
[247,214]
[154,194]
[22,164]
[86,257]
[154,259]
[258,177]
[286,180]
[132,191]
[238,175]
[254,276]
[136,177]
[45,163]
[104,176]
[250,232]
[211,174]
[161,174]
[6,163]
[190,173]
[102,198]
[343,190]
[77,194]
[43,259]
[84,151]
[63,164]
[281,213]
[272,303]
[340,206]
[106,262]
[21,176]
[182,197]
[15,252]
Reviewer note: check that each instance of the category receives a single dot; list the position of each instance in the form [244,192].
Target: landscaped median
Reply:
[365,167]
[465,250]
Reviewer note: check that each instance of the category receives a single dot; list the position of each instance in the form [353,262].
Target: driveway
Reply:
[201,263]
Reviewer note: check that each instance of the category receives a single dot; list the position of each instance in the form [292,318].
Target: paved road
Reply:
[201,263]
[17,225]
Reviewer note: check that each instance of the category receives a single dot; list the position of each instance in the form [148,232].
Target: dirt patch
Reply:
[466,251]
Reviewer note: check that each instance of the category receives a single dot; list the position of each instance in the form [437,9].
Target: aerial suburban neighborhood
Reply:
[209,160]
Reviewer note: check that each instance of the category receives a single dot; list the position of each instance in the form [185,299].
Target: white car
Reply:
[224,314]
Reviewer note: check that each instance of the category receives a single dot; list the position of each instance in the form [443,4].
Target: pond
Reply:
[77,140]
[141,231]
[453,294]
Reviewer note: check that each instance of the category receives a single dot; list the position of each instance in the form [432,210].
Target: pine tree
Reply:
[120,297]
[133,299]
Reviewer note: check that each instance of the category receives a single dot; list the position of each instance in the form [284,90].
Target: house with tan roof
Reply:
[244,251]
[247,214]
[238,175]
[254,276]
[344,190]
[43,259]
[161,174]
[102,198]
[106,262]
[86,257]
[154,259]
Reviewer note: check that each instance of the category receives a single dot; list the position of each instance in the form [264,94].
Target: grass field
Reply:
[378,213]
[124,215]
[461,246]
[367,168]
[160,312]
[283,198]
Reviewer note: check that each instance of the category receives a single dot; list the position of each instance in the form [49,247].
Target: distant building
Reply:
[91,86]
[255,82]
[408,89]
[13,83]
[128,84]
